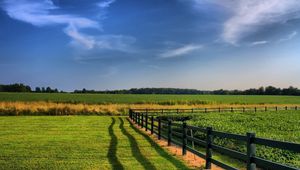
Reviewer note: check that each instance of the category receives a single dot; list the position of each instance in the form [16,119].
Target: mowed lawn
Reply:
[78,142]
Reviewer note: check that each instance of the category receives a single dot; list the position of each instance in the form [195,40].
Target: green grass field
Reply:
[281,125]
[90,142]
[156,99]
[78,142]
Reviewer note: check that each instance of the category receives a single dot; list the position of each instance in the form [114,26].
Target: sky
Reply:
[121,44]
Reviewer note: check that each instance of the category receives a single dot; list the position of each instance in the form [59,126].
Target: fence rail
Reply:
[176,133]
[219,109]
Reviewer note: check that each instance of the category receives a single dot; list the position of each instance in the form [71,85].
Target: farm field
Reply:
[78,142]
[281,125]
[148,99]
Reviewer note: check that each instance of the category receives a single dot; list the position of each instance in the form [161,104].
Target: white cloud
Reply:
[80,38]
[288,37]
[41,13]
[259,43]
[105,4]
[106,47]
[251,16]
[186,49]
[116,42]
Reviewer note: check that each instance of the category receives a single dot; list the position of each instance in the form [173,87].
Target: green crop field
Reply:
[155,99]
[281,125]
[78,142]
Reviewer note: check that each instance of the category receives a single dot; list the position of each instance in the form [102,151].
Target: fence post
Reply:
[152,123]
[205,110]
[296,107]
[219,109]
[193,143]
[159,127]
[192,110]
[266,108]
[130,114]
[184,140]
[231,109]
[286,108]
[146,123]
[138,119]
[133,117]
[255,109]
[142,123]
[208,148]
[276,108]
[251,149]
[169,132]
[243,109]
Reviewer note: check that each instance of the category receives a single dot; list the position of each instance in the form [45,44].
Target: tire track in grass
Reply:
[176,163]
[112,150]
[135,150]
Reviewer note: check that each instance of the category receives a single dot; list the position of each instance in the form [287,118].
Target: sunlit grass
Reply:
[78,142]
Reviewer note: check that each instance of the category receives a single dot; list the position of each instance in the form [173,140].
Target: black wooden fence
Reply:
[219,109]
[164,129]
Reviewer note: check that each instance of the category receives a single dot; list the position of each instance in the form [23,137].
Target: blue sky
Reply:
[114,44]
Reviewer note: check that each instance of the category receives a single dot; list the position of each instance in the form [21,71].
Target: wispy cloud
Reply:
[105,4]
[250,16]
[116,42]
[184,50]
[288,37]
[42,13]
[259,43]
[80,38]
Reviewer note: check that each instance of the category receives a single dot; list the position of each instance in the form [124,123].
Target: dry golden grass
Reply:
[50,108]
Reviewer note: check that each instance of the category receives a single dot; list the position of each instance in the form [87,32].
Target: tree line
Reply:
[269,90]
[19,87]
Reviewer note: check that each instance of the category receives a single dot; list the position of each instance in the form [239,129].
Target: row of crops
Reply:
[281,126]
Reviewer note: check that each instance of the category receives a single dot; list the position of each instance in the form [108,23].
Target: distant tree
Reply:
[261,91]
[270,90]
[38,89]
[48,90]
[19,87]
[290,91]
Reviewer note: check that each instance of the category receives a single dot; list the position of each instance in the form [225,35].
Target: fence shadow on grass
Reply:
[112,151]
[178,164]
[135,150]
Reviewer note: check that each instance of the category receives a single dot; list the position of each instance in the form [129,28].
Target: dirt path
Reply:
[190,159]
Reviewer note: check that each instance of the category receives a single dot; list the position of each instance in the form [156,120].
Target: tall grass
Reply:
[51,108]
